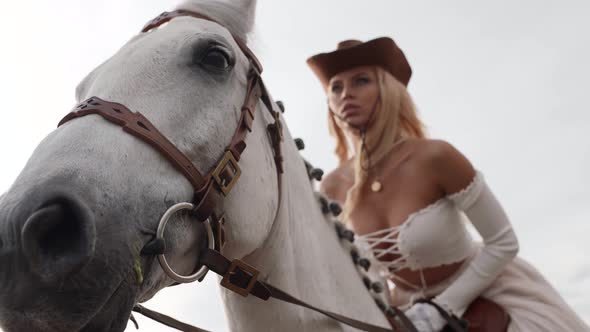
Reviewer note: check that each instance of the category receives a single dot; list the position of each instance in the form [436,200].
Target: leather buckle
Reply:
[249,270]
[224,184]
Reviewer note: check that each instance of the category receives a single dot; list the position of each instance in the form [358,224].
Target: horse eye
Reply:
[217,58]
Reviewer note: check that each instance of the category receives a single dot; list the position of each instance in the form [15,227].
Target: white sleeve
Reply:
[500,246]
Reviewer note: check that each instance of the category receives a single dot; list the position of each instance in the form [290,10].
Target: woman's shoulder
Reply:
[451,167]
[430,148]
[446,166]
[420,150]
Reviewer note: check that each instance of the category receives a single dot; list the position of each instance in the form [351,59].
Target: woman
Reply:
[405,195]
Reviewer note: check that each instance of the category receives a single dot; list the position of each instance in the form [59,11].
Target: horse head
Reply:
[74,223]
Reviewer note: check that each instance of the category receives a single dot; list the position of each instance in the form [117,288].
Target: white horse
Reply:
[90,197]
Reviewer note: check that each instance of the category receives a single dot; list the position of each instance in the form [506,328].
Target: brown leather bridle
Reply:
[227,171]
[219,181]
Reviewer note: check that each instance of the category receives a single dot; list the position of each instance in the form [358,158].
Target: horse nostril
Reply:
[58,238]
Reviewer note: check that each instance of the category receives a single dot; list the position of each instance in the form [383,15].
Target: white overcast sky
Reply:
[506,82]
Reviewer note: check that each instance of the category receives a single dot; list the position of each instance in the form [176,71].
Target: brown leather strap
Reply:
[139,126]
[255,90]
[236,275]
[166,320]
[225,174]
[242,278]
[280,295]
[253,94]
[167,16]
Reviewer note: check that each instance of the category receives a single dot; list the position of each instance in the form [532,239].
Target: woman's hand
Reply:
[426,318]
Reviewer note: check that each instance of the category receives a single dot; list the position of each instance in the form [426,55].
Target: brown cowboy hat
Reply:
[353,53]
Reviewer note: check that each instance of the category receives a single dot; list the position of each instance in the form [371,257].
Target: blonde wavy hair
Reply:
[395,119]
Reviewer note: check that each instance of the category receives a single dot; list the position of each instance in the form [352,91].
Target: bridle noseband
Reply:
[209,188]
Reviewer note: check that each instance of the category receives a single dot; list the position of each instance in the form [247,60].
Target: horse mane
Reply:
[375,284]
[231,14]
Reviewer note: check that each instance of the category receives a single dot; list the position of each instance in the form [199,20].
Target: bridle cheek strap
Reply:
[139,126]
[224,175]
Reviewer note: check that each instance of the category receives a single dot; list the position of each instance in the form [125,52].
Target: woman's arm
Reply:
[469,191]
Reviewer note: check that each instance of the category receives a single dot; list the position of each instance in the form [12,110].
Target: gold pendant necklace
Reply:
[376,186]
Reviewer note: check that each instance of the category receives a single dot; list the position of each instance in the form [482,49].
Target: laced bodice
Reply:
[430,237]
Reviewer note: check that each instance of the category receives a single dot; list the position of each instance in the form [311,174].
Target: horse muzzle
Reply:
[58,238]
[47,236]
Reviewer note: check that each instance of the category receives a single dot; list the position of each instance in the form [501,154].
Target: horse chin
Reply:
[71,312]
[114,314]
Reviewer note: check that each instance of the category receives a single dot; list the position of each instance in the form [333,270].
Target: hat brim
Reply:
[378,52]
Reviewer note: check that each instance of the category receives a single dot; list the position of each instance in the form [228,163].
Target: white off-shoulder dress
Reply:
[438,235]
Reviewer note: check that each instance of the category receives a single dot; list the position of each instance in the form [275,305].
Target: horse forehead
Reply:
[180,29]
[186,27]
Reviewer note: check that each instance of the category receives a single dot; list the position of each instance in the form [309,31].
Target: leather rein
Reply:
[210,188]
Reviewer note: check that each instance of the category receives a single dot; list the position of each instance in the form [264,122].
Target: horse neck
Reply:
[303,257]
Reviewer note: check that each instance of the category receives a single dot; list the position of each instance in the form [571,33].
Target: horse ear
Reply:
[248,7]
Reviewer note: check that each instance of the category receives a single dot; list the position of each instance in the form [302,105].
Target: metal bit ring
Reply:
[160,235]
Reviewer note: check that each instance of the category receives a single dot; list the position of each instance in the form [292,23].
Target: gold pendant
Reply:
[376,186]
